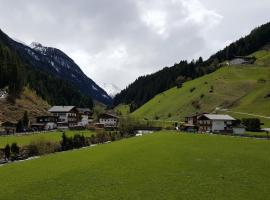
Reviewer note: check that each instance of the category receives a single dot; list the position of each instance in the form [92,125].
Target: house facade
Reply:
[84,115]
[67,116]
[108,120]
[45,123]
[215,123]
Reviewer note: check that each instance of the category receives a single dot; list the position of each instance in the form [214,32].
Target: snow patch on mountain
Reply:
[111,89]
[38,47]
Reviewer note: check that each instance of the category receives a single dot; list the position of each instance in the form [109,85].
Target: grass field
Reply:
[239,88]
[164,165]
[48,136]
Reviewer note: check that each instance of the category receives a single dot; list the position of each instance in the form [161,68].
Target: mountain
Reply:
[18,74]
[111,89]
[242,91]
[146,87]
[57,63]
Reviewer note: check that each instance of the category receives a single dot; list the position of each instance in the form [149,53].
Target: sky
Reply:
[116,41]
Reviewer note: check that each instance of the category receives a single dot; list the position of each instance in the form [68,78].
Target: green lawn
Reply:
[49,136]
[164,165]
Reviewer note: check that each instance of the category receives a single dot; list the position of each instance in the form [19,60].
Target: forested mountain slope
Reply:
[146,87]
[17,77]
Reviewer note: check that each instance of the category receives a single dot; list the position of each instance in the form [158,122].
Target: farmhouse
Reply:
[45,123]
[215,123]
[84,115]
[193,119]
[108,120]
[242,60]
[67,116]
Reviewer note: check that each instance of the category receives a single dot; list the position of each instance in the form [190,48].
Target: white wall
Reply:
[218,125]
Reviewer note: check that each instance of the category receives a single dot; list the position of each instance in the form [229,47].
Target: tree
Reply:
[19,126]
[7,151]
[15,150]
[179,81]
[25,119]
[252,124]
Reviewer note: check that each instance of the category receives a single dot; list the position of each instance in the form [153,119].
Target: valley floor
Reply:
[164,165]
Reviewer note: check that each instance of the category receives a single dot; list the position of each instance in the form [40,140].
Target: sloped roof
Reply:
[82,110]
[108,115]
[61,108]
[218,117]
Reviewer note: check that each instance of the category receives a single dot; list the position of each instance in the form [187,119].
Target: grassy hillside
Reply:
[156,166]
[46,136]
[28,101]
[238,88]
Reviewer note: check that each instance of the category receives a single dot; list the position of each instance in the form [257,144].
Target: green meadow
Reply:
[164,165]
[54,136]
[237,88]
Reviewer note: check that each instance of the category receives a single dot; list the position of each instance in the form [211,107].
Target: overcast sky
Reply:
[115,41]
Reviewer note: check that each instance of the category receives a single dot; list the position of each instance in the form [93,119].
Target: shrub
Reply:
[15,150]
[7,151]
[192,89]
[252,124]
[211,89]
[196,104]
[169,115]
[261,80]
[267,96]
[42,147]
[202,96]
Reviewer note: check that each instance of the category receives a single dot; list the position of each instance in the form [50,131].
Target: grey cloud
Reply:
[116,41]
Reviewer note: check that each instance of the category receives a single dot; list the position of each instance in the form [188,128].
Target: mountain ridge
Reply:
[57,63]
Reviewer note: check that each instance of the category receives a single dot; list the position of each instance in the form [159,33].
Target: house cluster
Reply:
[212,123]
[64,117]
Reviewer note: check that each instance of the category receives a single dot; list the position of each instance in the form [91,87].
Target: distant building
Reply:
[193,119]
[215,123]
[241,60]
[108,120]
[239,129]
[9,127]
[84,116]
[67,116]
[45,123]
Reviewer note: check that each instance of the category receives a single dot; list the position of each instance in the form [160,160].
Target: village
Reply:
[75,118]
[63,118]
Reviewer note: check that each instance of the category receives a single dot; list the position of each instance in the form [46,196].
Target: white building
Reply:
[108,120]
[67,115]
[84,116]
[215,123]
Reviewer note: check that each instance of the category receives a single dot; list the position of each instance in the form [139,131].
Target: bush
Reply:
[261,80]
[267,96]
[211,89]
[7,152]
[15,151]
[192,89]
[42,147]
[202,96]
[252,124]
[196,104]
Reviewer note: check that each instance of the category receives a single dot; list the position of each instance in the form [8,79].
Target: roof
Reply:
[219,117]
[61,108]
[83,110]
[107,115]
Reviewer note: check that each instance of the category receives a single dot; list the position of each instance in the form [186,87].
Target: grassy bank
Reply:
[165,165]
